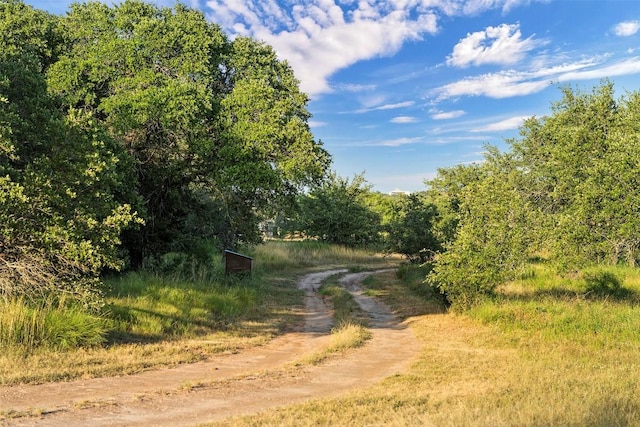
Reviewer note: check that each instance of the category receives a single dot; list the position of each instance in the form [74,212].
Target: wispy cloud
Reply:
[507,124]
[494,45]
[626,28]
[406,182]
[446,115]
[316,124]
[404,120]
[387,107]
[511,83]
[355,87]
[397,142]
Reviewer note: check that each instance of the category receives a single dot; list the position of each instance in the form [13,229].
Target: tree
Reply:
[335,212]
[445,192]
[411,229]
[581,165]
[217,129]
[493,237]
[59,174]
[569,188]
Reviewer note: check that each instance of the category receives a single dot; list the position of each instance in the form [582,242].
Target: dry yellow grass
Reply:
[475,374]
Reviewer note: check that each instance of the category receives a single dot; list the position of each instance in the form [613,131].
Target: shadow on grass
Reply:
[619,295]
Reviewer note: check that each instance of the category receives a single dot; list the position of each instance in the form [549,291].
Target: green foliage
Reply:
[128,132]
[492,239]
[62,177]
[581,165]
[446,191]
[567,189]
[412,276]
[335,212]
[27,327]
[411,231]
[217,129]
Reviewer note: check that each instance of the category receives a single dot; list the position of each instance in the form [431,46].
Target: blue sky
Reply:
[400,88]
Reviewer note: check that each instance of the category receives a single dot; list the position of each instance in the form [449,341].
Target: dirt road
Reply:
[229,384]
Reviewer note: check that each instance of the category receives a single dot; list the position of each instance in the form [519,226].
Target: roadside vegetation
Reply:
[150,320]
[544,351]
[139,142]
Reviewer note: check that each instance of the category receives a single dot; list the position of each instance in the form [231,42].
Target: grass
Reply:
[350,330]
[157,320]
[345,309]
[279,256]
[545,352]
[345,336]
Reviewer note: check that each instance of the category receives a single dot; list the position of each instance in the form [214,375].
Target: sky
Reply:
[401,88]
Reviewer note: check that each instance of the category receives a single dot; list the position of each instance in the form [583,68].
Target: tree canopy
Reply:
[129,131]
[568,189]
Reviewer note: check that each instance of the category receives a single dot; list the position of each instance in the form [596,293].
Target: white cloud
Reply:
[316,124]
[404,120]
[621,68]
[320,37]
[495,45]
[399,141]
[512,83]
[507,124]
[626,28]
[387,107]
[505,84]
[446,115]
[353,87]
[408,182]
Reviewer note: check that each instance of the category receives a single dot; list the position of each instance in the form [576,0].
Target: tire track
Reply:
[236,384]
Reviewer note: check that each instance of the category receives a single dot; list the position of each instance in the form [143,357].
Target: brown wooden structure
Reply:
[237,263]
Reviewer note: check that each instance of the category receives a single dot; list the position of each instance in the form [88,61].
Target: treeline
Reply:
[567,190]
[131,131]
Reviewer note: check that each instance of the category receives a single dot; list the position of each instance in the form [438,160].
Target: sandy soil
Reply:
[229,384]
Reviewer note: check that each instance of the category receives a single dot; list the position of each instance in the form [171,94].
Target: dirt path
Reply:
[230,384]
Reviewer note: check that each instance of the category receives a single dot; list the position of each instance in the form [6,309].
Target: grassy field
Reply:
[547,351]
[152,320]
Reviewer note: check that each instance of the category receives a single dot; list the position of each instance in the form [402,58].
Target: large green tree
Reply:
[217,129]
[582,167]
[411,229]
[568,189]
[493,236]
[60,174]
[336,212]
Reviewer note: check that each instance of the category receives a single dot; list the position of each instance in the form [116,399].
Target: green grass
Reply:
[545,352]
[288,256]
[27,325]
[343,337]
[144,307]
[345,309]
[183,312]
